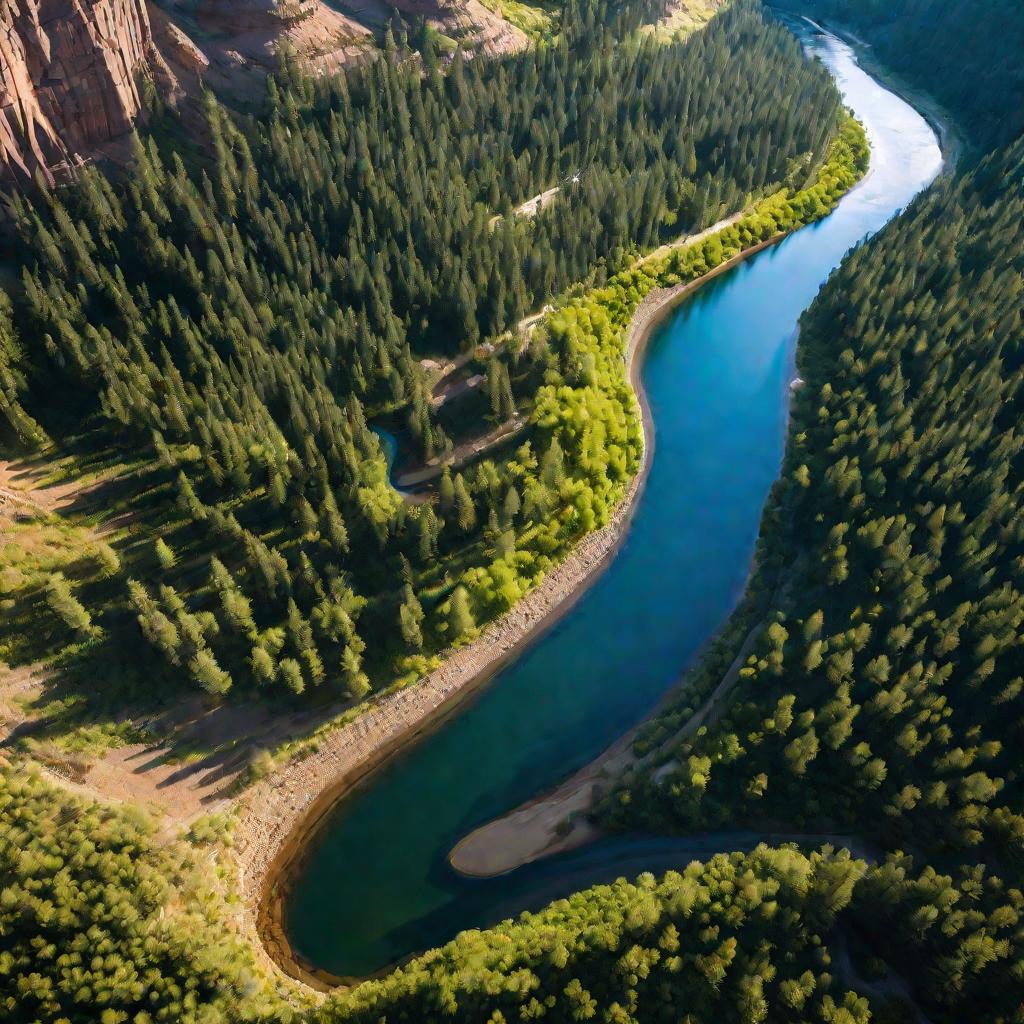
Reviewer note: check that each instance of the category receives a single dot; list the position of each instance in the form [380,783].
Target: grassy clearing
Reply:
[538,21]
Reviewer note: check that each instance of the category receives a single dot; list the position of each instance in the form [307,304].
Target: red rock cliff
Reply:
[69,78]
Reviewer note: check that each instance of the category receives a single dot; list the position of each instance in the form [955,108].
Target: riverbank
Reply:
[556,821]
[280,815]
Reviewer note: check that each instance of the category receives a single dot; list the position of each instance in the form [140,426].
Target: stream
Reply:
[375,885]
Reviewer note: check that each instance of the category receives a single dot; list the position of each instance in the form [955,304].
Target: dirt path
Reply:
[684,240]
[463,453]
[536,203]
[454,388]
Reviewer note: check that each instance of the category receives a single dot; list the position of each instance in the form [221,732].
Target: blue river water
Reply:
[375,885]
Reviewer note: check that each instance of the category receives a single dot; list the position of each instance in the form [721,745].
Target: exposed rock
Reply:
[70,73]
[176,46]
[242,39]
[469,22]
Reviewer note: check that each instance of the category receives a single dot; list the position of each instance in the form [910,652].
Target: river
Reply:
[375,885]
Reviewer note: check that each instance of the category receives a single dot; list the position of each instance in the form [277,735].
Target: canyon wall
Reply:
[70,73]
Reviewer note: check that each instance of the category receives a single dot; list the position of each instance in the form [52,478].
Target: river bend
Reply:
[375,885]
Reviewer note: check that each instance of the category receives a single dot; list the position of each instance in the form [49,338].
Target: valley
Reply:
[510,511]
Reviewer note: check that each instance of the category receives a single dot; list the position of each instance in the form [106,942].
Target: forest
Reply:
[101,924]
[241,324]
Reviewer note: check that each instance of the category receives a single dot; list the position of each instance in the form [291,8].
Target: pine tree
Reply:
[66,606]
[460,616]
[410,618]
[465,510]
[165,557]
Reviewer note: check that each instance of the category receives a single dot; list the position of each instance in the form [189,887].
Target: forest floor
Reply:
[179,759]
[21,487]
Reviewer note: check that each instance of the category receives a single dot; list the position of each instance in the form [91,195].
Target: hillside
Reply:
[76,77]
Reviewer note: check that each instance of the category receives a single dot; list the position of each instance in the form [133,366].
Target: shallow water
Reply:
[377,886]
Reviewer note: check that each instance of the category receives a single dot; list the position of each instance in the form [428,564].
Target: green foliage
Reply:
[242,321]
[99,923]
[460,616]
[13,384]
[64,604]
[738,939]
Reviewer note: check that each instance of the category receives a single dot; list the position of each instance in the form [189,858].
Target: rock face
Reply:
[473,26]
[242,39]
[70,73]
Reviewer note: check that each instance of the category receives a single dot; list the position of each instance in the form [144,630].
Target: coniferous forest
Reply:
[234,319]
[248,317]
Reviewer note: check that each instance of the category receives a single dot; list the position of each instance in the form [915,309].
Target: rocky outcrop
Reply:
[70,74]
[242,39]
[473,26]
[484,31]
[72,71]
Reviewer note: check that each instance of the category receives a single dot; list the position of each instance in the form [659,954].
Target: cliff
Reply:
[70,73]
[241,39]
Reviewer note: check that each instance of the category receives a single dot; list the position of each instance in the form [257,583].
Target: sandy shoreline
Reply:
[555,821]
[279,815]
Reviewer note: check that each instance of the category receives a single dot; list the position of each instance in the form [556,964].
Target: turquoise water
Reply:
[377,887]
